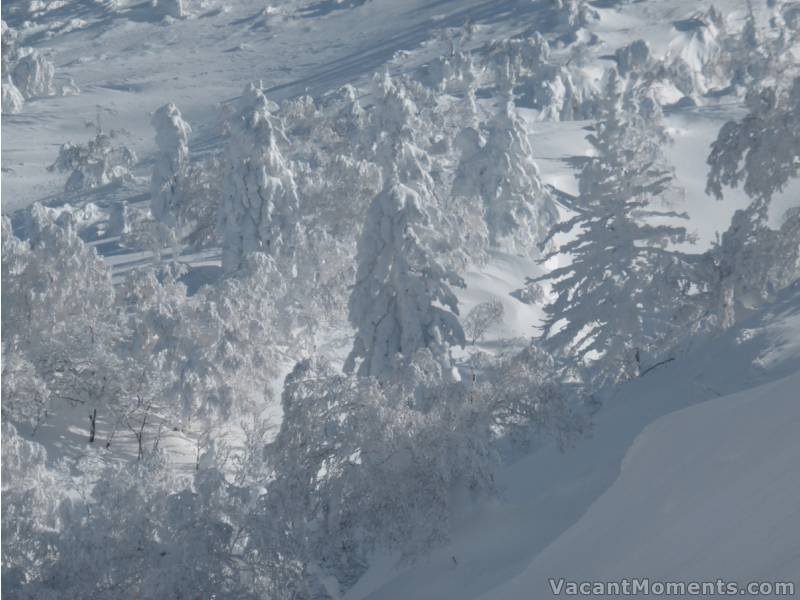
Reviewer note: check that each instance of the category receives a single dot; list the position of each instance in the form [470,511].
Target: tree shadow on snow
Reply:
[325,7]
[377,52]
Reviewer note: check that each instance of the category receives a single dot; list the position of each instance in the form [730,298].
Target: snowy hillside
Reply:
[390,299]
[664,488]
[722,501]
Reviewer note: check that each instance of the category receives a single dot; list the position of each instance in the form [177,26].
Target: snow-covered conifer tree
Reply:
[171,164]
[393,127]
[517,207]
[33,75]
[749,263]
[748,55]
[401,301]
[762,152]
[13,100]
[27,74]
[636,57]
[620,297]
[260,206]
[574,14]
[518,57]
[399,132]
[453,73]
[350,120]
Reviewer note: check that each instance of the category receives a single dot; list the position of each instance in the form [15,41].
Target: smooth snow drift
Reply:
[706,492]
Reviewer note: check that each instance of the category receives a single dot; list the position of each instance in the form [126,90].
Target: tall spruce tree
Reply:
[402,301]
[623,292]
[259,211]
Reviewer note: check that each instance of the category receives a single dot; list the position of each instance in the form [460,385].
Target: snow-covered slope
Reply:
[666,467]
[128,61]
[722,502]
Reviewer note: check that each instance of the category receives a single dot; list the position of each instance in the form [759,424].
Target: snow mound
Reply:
[695,53]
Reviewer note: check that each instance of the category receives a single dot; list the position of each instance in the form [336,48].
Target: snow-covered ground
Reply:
[723,501]
[688,476]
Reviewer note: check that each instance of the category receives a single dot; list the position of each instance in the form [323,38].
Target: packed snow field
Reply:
[376,299]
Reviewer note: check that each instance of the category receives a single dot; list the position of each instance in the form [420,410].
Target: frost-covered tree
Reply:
[393,127]
[695,59]
[361,465]
[13,100]
[756,55]
[30,495]
[167,186]
[204,191]
[33,76]
[68,338]
[762,150]
[624,292]
[481,318]
[140,231]
[750,262]
[518,57]
[146,353]
[141,531]
[454,73]
[560,93]
[26,397]
[325,263]
[357,467]
[59,316]
[246,325]
[97,163]
[762,153]
[260,206]
[27,74]
[748,57]
[555,84]
[525,398]
[401,301]
[405,142]
[636,57]
[10,48]
[517,207]
[574,14]
[350,119]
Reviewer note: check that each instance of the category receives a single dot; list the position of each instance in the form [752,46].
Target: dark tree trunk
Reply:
[93,428]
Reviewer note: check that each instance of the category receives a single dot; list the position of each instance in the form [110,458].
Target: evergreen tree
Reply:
[259,211]
[762,150]
[762,153]
[171,164]
[401,301]
[622,293]
[517,207]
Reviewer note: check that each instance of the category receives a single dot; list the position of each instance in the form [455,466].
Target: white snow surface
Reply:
[128,60]
[690,474]
[721,503]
